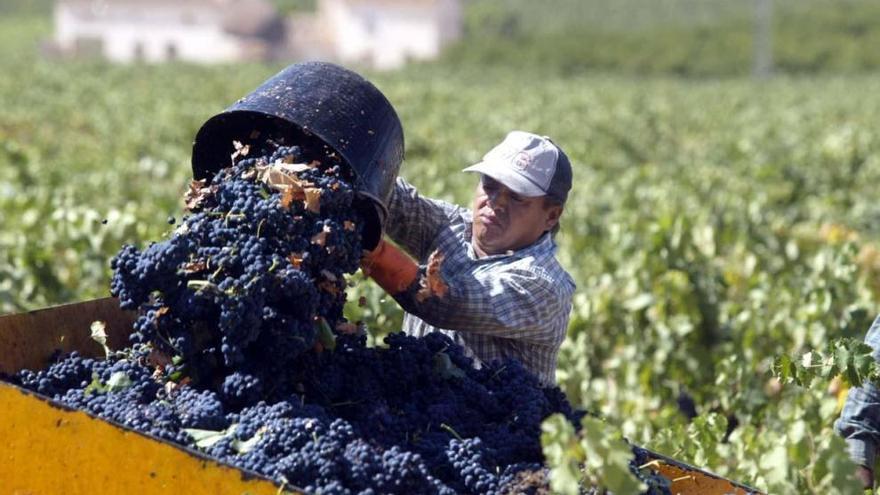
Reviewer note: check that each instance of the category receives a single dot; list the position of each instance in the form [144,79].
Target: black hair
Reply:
[550,202]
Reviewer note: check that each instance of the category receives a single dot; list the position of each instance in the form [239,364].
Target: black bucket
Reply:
[315,101]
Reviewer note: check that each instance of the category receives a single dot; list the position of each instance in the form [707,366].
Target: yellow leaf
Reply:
[432,285]
[321,237]
[313,199]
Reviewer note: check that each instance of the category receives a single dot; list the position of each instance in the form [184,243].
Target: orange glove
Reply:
[390,267]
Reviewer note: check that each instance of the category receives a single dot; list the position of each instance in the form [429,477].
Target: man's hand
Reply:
[390,267]
[866,476]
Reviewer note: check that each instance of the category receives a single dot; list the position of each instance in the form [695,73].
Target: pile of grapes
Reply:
[240,350]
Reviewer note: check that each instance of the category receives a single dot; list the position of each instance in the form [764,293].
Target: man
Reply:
[859,421]
[498,290]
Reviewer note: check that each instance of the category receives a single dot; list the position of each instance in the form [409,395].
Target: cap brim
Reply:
[511,179]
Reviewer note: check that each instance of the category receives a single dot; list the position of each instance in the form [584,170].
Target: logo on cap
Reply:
[522,160]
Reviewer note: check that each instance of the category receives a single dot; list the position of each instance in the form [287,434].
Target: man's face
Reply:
[506,221]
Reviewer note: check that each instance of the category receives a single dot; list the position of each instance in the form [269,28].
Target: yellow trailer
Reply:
[50,448]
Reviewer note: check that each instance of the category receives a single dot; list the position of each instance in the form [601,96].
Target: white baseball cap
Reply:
[528,164]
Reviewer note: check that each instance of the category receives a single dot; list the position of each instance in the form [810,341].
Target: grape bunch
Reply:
[246,276]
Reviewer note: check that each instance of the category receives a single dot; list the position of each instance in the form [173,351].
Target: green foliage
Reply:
[792,450]
[369,305]
[595,456]
[288,6]
[850,358]
[682,37]
[26,7]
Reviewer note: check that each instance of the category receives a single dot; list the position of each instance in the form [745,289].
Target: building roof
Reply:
[98,5]
[241,17]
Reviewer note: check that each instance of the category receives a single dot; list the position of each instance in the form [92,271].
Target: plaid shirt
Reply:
[515,304]
[859,421]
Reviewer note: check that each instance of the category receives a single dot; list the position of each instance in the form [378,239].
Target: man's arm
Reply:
[414,221]
[859,421]
[512,303]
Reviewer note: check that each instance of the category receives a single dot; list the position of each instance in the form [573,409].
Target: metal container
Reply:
[315,101]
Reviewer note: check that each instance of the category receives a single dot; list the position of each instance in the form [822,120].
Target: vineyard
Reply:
[717,230]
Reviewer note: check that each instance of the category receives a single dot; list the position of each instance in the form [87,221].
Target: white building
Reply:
[161,30]
[384,34]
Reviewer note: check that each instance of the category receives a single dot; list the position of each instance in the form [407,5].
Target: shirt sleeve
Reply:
[860,418]
[516,303]
[414,221]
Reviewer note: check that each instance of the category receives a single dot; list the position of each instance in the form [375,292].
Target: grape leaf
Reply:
[205,439]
